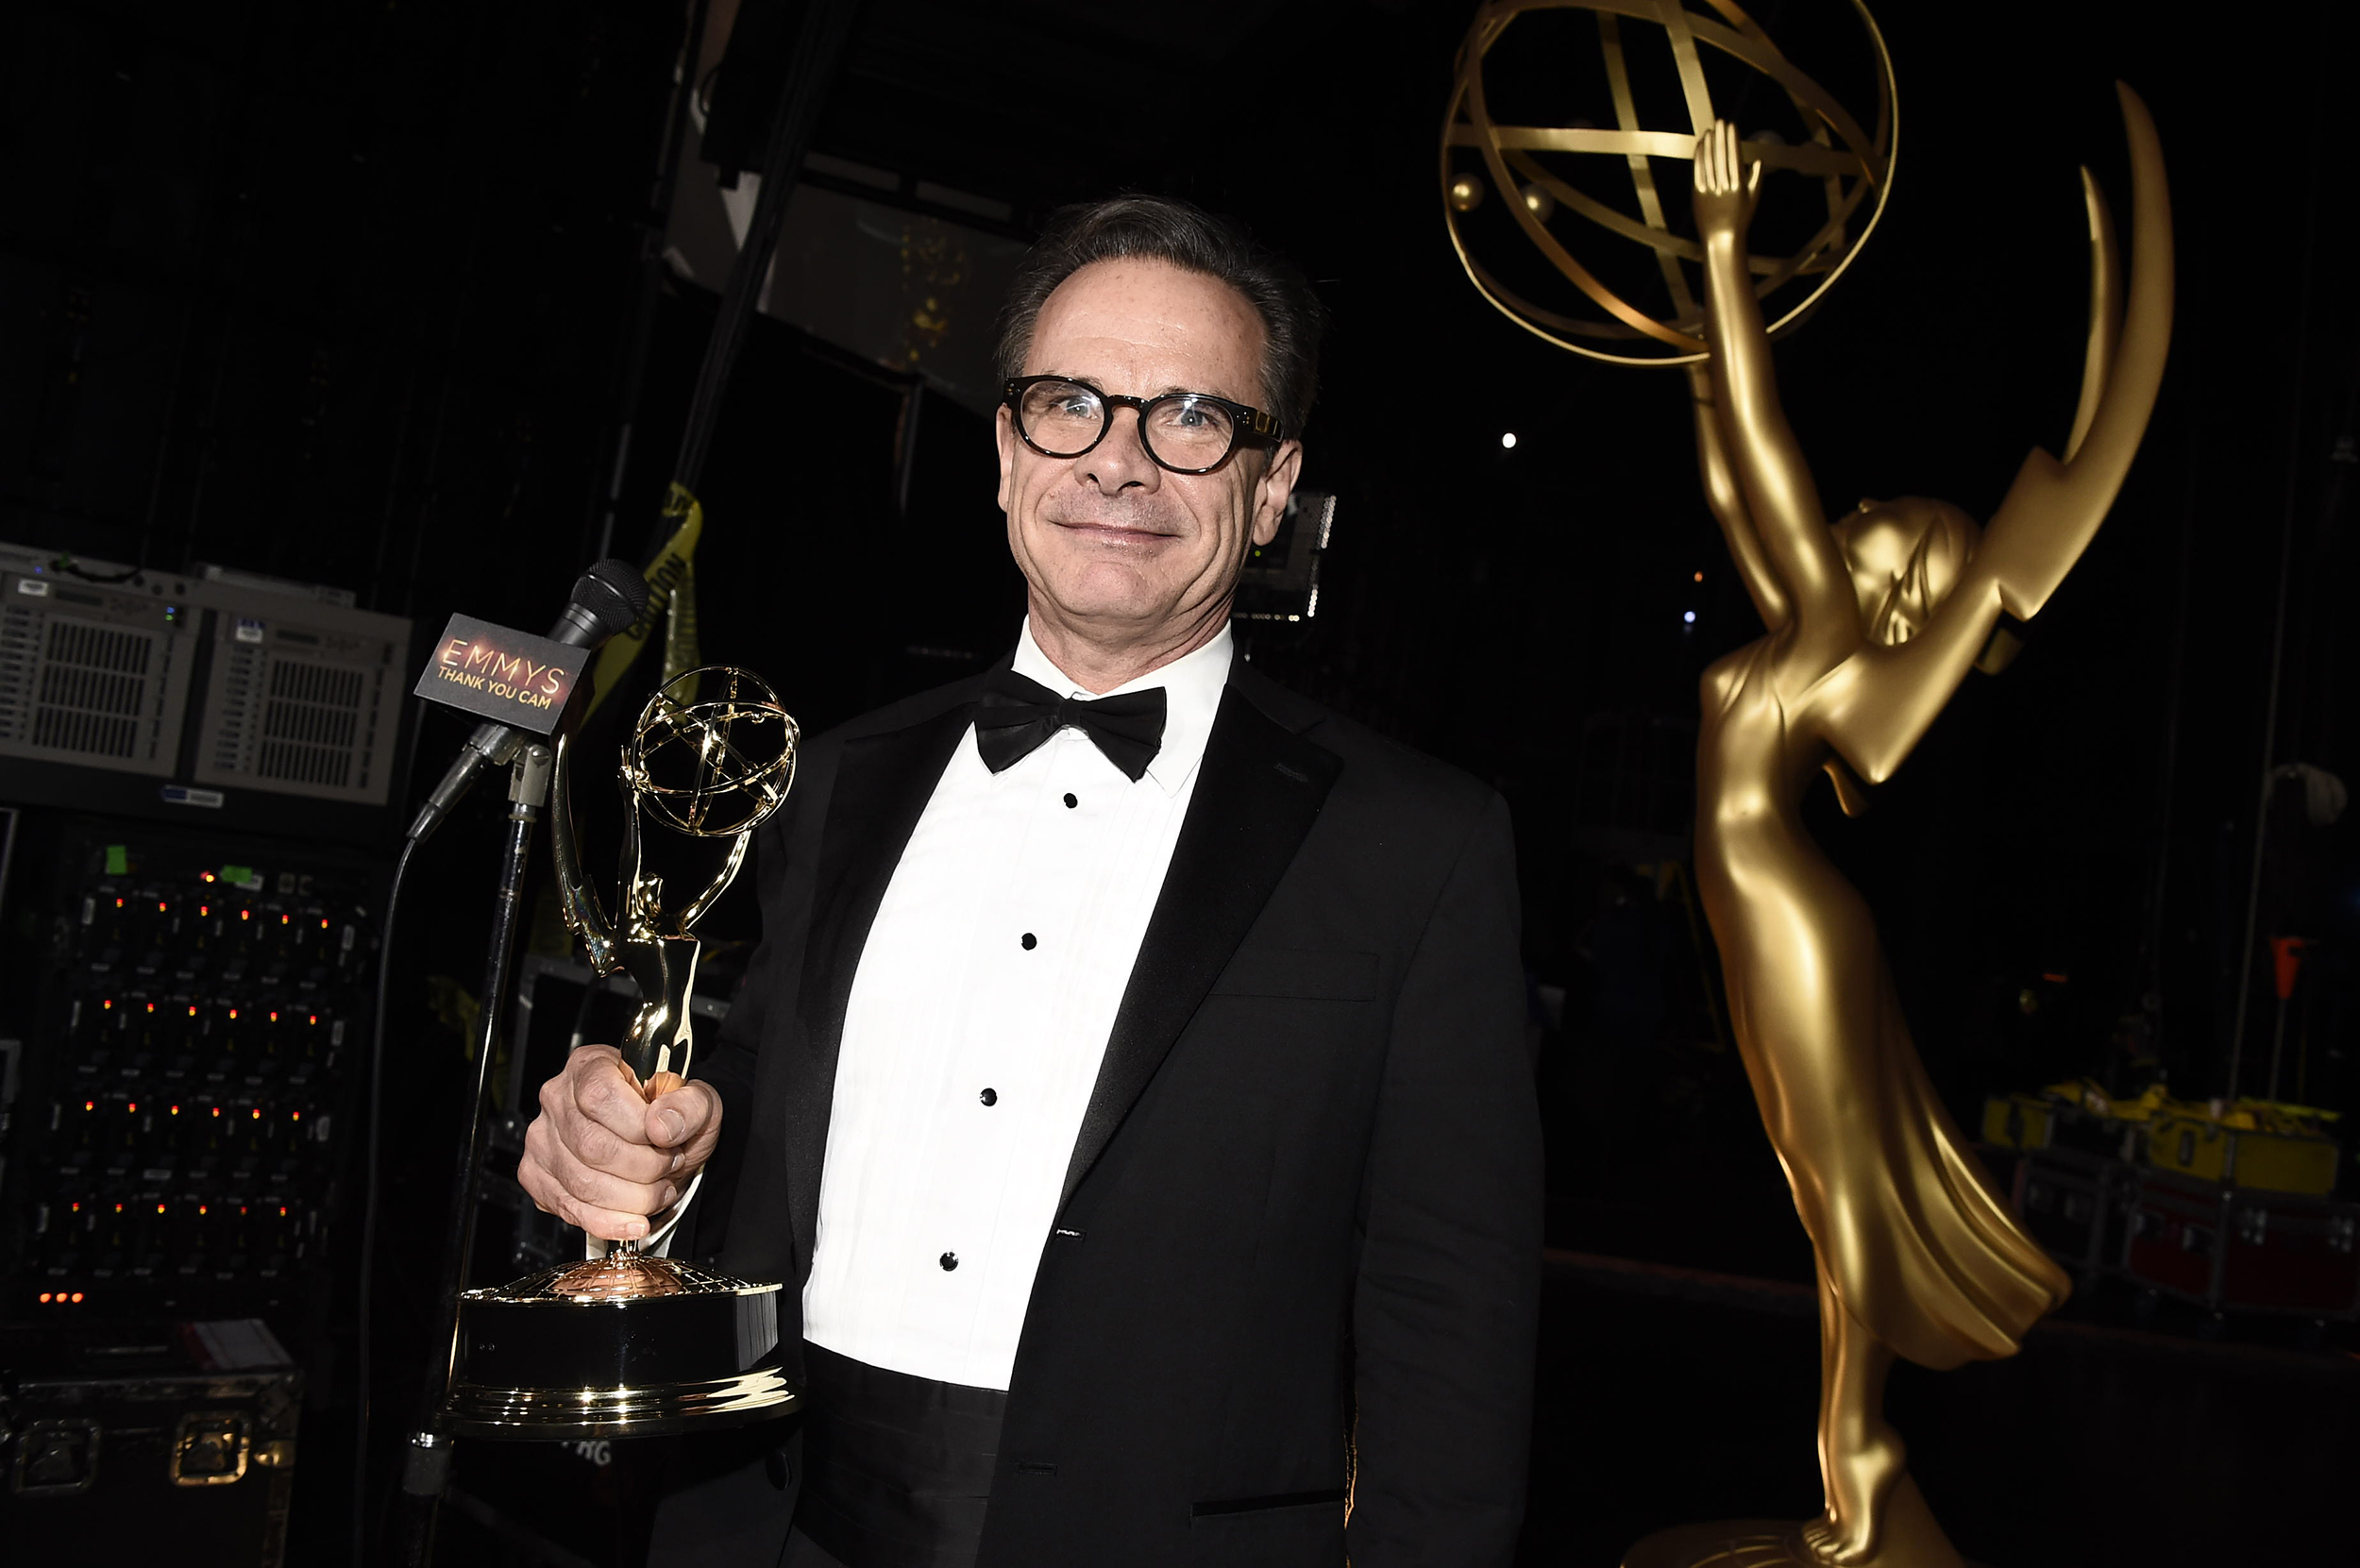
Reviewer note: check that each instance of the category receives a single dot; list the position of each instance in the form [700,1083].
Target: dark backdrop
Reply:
[342,293]
[346,292]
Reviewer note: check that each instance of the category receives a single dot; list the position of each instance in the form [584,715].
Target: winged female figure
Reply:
[1872,622]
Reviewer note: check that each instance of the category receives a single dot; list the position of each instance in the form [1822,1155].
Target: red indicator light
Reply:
[90,1105]
[323,925]
[258,1113]
[176,1110]
[204,909]
[159,1209]
[160,906]
[295,1115]
[246,914]
[135,1107]
[151,1006]
[192,1012]
[107,1005]
[216,1110]
[118,904]
[118,1209]
[201,1209]
[77,1209]
[282,919]
[316,1018]
[207,875]
[274,1018]
[233,1012]
[282,1211]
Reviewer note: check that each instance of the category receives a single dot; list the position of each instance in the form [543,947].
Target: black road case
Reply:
[171,1444]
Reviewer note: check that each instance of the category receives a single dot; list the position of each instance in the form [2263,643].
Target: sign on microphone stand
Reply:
[497,672]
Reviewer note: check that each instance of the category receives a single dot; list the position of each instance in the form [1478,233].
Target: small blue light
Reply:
[1689,616]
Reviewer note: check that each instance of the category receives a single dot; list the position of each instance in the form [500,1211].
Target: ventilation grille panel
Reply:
[310,721]
[302,707]
[102,686]
[93,687]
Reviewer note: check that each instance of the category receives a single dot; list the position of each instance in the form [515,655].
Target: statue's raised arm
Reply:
[1727,500]
[1772,478]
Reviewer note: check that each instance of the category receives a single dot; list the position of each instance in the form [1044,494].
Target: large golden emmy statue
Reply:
[1872,622]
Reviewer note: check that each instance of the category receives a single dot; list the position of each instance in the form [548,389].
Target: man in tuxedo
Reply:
[1130,1082]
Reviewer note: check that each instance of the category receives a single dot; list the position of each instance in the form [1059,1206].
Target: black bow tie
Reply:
[1017,713]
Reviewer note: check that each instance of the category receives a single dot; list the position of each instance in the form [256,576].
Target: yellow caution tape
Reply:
[671,595]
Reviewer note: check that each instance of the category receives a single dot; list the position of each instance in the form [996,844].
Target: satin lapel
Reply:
[882,787]
[1260,788]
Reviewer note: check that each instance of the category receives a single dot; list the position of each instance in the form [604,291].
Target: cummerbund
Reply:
[897,1469]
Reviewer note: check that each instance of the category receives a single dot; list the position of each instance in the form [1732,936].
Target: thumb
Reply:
[667,1126]
[679,1113]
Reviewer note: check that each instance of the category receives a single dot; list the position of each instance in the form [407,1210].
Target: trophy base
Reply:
[1910,1540]
[624,1347]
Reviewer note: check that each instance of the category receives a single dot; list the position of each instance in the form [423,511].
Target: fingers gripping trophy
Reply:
[627,1342]
[1872,621]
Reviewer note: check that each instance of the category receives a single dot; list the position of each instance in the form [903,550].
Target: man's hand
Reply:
[1727,186]
[606,1155]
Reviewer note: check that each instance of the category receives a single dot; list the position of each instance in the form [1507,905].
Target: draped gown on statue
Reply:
[1910,1237]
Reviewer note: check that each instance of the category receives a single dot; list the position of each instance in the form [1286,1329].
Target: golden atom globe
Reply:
[1567,148]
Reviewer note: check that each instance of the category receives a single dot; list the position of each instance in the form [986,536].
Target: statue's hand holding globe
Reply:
[1726,187]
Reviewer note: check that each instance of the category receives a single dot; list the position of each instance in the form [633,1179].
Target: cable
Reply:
[2296,435]
[368,1205]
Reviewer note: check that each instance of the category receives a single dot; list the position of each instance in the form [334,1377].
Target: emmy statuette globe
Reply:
[1566,148]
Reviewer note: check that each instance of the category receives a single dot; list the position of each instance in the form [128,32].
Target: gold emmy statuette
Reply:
[630,1343]
[1873,622]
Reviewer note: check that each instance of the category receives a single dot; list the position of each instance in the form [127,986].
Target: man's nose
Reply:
[1121,460]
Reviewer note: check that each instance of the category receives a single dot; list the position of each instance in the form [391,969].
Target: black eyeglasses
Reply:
[1188,432]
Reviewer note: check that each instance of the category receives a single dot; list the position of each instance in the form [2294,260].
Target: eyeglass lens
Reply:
[1181,429]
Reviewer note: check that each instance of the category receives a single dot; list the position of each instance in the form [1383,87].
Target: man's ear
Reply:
[1271,490]
[1004,435]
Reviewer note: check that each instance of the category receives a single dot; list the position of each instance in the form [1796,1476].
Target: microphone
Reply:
[608,599]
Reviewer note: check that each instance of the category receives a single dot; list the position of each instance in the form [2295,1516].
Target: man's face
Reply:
[1108,541]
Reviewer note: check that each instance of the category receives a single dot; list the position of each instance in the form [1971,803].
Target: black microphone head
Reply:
[614,594]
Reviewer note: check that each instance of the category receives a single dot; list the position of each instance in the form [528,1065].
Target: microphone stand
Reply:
[826,28]
[426,1463]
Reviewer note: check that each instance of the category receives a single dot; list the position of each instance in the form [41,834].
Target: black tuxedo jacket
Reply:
[1298,1257]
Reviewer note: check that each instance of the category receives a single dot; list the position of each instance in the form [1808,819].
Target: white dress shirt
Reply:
[971,1041]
